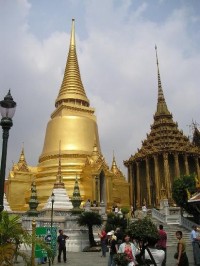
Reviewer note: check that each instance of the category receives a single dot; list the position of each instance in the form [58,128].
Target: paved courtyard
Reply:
[95,259]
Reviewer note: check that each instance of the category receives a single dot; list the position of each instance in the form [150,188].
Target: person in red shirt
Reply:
[103,236]
[162,242]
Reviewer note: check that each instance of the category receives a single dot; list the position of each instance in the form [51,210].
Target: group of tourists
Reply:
[153,252]
[116,242]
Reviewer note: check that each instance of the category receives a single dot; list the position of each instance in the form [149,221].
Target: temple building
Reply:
[72,137]
[165,154]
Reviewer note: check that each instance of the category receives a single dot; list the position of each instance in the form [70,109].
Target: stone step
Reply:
[171,232]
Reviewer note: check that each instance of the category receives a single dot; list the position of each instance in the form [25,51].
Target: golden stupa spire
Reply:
[72,90]
[114,165]
[22,164]
[161,105]
[22,157]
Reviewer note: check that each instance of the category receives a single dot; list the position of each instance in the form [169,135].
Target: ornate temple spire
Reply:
[164,135]
[114,167]
[76,198]
[72,90]
[161,105]
[33,202]
[61,198]
[59,182]
[22,157]
[22,164]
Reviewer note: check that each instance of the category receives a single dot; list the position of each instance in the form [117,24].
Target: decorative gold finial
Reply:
[159,79]
[161,105]
[72,41]
[72,89]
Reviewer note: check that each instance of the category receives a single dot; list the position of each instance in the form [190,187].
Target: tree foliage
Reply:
[125,210]
[143,230]
[12,235]
[90,219]
[121,259]
[182,188]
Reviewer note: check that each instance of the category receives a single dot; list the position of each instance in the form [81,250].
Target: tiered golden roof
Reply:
[165,154]
[19,182]
[164,134]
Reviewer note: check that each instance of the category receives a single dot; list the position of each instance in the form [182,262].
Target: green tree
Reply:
[12,235]
[124,210]
[182,188]
[90,219]
[114,221]
[143,230]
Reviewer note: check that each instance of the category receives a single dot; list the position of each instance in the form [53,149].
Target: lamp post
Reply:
[7,109]
[52,202]
[33,243]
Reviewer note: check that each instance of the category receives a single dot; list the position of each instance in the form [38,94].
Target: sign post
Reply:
[49,235]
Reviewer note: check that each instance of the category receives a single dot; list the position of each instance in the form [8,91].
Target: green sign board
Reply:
[49,235]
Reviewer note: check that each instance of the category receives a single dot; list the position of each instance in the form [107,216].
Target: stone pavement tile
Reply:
[95,259]
[86,259]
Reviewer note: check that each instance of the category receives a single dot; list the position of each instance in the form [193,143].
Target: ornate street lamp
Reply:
[7,109]
[52,202]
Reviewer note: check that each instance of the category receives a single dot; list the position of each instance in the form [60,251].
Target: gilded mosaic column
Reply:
[148,182]
[167,177]
[130,174]
[97,188]
[186,165]
[138,183]
[197,167]
[155,157]
[177,169]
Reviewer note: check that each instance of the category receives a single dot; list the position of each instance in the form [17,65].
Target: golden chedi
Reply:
[72,136]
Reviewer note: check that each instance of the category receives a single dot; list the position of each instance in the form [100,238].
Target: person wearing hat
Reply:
[113,247]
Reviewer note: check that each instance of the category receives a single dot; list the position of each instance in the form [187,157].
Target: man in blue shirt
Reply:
[196,245]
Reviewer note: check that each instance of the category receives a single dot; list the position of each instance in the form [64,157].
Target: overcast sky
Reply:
[115,43]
